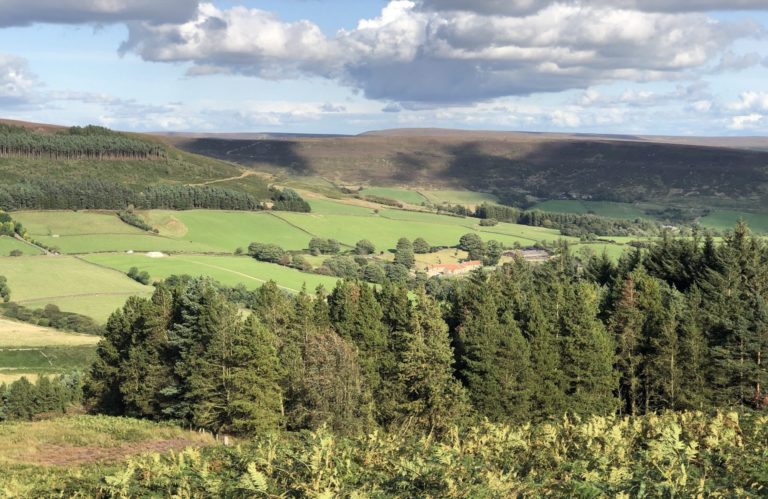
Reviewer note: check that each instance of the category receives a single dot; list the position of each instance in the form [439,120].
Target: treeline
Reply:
[90,142]
[131,218]
[83,194]
[5,291]
[680,326]
[22,400]
[10,227]
[569,224]
[288,200]
[51,316]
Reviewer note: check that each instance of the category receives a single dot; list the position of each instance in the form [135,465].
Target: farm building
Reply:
[529,255]
[453,268]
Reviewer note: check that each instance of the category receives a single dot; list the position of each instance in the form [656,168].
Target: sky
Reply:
[662,67]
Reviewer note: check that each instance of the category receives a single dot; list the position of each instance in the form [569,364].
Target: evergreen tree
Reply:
[493,357]
[588,354]
[434,400]
[404,253]
[20,400]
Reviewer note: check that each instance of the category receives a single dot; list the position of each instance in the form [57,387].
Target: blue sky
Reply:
[342,66]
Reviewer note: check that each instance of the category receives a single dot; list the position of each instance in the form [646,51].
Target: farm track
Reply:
[243,175]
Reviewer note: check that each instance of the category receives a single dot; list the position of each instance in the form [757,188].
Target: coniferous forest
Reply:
[579,377]
[679,327]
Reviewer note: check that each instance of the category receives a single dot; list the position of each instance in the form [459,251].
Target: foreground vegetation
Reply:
[668,455]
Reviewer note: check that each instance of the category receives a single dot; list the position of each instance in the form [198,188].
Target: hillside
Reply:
[33,151]
[720,171]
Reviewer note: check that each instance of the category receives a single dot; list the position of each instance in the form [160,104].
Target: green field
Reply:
[601,208]
[229,270]
[46,360]
[403,195]
[71,284]
[726,220]
[8,244]
[459,197]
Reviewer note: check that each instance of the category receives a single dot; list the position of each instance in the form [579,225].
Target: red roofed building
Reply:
[453,268]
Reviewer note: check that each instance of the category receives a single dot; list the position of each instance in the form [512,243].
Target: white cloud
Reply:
[750,102]
[746,122]
[518,7]
[418,57]
[25,12]
[17,82]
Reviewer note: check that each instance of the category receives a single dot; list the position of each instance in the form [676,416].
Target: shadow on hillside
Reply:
[608,170]
[278,153]
[409,166]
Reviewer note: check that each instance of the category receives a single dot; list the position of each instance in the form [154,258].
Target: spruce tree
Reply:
[493,357]
[434,399]
[404,253]
[588,354]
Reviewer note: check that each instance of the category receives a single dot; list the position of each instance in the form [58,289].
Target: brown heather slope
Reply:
[551,166]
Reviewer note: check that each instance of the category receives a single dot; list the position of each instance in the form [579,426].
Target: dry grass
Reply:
[18,334]
[81,440]
[9,376]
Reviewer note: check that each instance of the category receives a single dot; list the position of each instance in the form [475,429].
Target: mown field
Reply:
[30,351]
[15,334]
[466,198]
[229,270]
[71,284]
[600,208]
[404,195]
[8,244]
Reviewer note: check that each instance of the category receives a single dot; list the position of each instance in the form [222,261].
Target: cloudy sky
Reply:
[685,67]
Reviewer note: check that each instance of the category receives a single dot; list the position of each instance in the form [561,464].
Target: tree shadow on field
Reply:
[278,153]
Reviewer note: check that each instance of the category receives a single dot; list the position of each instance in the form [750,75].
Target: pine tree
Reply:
[257,401]
[20,400]
[588,354]
[404,253]
[694,352]
[434,399]
[547,383]
[493,357]
[626,324]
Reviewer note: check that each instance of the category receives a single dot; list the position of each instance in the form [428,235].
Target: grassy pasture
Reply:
[403,195]
[72,284]
[8,244]
[49,360]
[350,207]
[229,270]
[388,226]
[465,198]
[601,208]
[20,335]
[727,219]
[71,223]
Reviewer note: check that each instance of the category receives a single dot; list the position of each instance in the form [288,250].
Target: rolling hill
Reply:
[169,166]
[730,172]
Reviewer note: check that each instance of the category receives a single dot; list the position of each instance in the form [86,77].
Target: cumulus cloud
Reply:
[731,61]
[517,7]
[239,40]
[413,55]
[25,12]
[17,82]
